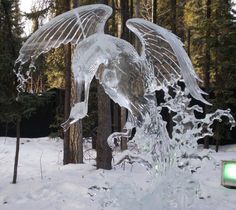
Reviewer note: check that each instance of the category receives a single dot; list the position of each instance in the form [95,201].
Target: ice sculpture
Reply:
[130,79]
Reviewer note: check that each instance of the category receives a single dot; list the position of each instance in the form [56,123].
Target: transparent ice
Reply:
[130,78]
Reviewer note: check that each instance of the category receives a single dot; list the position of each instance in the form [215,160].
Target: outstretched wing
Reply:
[69,27]
[166,56]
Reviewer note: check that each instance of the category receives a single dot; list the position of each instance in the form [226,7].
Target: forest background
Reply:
[206,27]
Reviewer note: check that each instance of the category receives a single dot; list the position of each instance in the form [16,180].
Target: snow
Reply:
[44,183]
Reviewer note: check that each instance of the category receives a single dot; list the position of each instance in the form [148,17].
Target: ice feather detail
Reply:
[165,54]
[70,27]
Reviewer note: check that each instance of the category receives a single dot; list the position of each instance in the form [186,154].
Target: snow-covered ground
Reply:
[45,184]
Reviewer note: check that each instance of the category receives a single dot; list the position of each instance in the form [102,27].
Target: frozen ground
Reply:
[45,184]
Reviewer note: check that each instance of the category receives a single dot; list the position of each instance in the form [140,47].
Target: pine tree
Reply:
[10,41]
[13,110]
[223,56]
[211,45]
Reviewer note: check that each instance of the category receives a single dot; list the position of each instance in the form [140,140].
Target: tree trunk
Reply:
[76,143]
[189,42]
[123,118]
[137,8]
[115,107]
[173,19]
[125,12]
[217,136]
[115,117]
[76,133]
[6,129]
[154,11]
[131,8]
[73,146]
[67,50]
[124,5]
[207,59]
[17,151]
[131,15]
[75,3]
[102,2]
[137,43]
[76,137]
[114,18]
[104,152]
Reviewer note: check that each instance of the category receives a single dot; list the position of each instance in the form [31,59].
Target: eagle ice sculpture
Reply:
[129,78]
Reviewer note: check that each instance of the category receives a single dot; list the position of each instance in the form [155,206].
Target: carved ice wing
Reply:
[166,56]
[72,26]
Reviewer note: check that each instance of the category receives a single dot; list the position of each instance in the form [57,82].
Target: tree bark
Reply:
[75,3]
[137,8]
[189,42]
[115,117]
[125,15]
[123,118]
[104,152]
[114,18]
[67,50]
[137,43]
[76,131]
[173,19]
[124,5]
[154,11]
[76,143]
[73,147]
[17,151]
[102,2]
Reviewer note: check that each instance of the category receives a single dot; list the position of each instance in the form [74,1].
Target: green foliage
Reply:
[23,107]
[218,35]
[10,30]
[54,68]
[10,42]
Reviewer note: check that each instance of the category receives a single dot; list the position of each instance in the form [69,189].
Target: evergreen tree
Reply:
[223,64]
[13,110]
[211,45]
[10,41]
